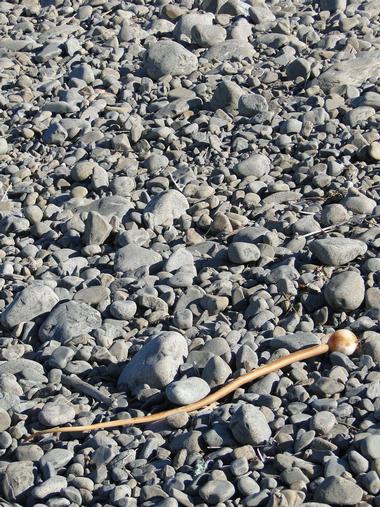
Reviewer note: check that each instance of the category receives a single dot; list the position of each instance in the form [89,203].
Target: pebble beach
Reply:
[189,190]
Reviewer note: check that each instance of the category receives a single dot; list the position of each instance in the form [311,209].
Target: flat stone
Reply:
[33,301]
[216,491]
[354,71]
[337,251]
[56,414]
[129,258]
[370,446]
[243,253]
[17,481]
[293,342]
[167,57]
[338,491]
[187,390]
[68,320]
[229,50]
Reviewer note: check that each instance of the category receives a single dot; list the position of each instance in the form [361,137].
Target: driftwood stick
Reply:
[341,341]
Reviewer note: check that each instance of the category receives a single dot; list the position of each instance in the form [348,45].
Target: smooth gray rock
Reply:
[97,229]
[370,446]
[249,426]
[132,257]
[33,301]
[345,292]
[17,481]
[338,491]
[69,319]
[156,363]
[123,310]
[56,414]
[51,486]
[252,104]
[57,458]
[229,50]
[183,28]
[187,390]
[226,96]
[216,371]
[256,165]
[243,253]
[206,36]
[353,71]
[167,57]
[166,207]
[293,342]
[260,13]
[337,251]
[216,491]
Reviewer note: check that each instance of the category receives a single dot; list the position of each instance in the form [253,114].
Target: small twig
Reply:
[6,192]
[85,388]
[324,229]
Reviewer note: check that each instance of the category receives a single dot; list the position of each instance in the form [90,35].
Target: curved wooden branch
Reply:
[341,341]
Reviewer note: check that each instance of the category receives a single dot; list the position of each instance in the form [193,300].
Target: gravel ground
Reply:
[188,190]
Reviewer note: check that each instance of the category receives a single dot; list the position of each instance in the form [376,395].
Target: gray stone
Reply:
[166,207]
[359,204]
[50,487]
[338,491]
[216,491]
[243,253]
[216,372]
[206,36]
[345,291]
[167,57]
[249,426]
[33,301]
[55,134]
[293,342]
[334,214]
[56,414]
[5,420]
[226,96]
[184,26]
[17,481]
[132,257]
[256,165]
[69,319]
[252,104]
[260,12]
[123,310]
[97,229]
[323,422]
[229,50]
[3,146]
[337,251]
[156,363]
[357,462]
[57,458]
[353,71]
[370,446]
[187,390]
[298,68]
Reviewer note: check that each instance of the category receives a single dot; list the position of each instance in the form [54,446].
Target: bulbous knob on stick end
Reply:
[344,341]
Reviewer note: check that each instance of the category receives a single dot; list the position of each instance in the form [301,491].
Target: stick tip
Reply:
[344,341]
